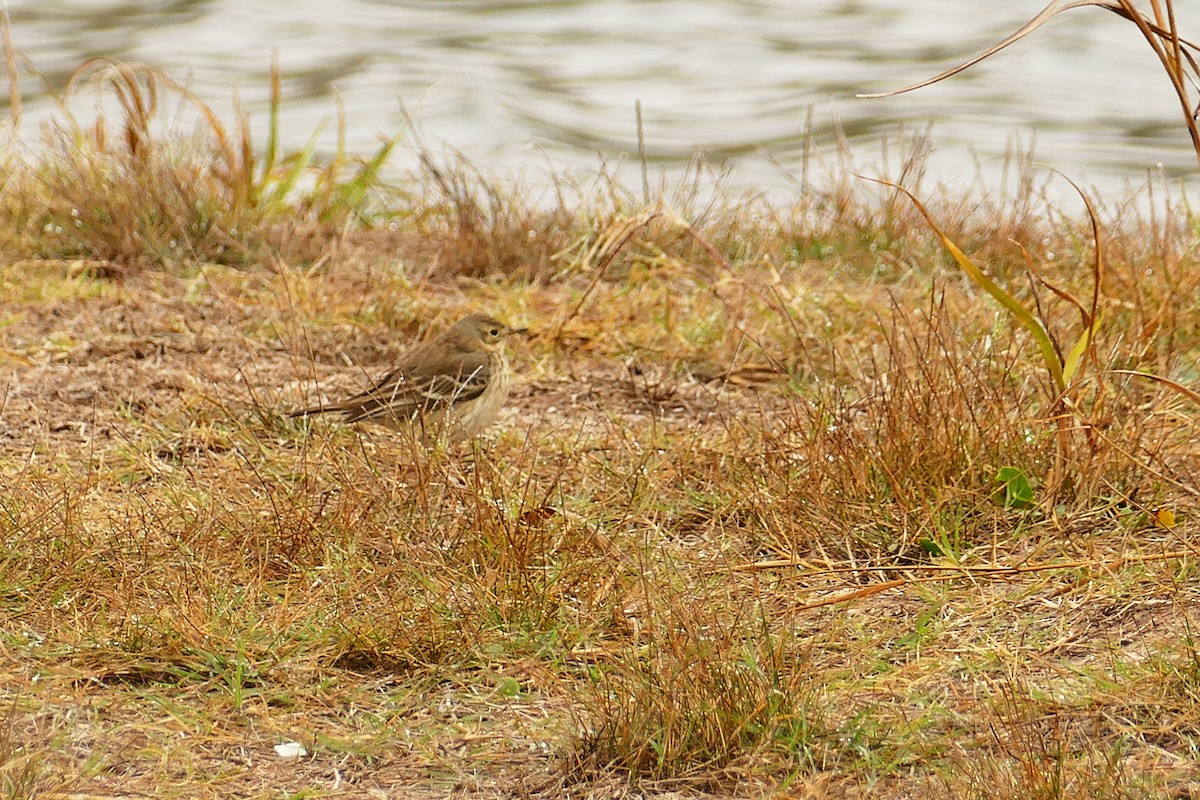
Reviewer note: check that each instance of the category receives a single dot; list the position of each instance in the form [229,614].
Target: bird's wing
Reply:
[408,390]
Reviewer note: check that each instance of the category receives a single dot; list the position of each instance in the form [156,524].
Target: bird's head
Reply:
[480,329]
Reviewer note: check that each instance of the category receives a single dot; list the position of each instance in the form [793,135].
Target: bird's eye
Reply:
[494,332]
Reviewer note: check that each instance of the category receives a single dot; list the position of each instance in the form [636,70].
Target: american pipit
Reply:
[447,389]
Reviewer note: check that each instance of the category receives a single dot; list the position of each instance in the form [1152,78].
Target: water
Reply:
[535,88]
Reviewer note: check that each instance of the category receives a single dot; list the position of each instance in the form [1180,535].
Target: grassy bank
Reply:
[741,530]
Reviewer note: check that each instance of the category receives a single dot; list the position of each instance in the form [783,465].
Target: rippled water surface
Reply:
[541,87]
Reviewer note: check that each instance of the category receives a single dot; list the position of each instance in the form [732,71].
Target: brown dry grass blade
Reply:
[1087,342]
[1190,394]
[1054,9]
[1058,291]
[610,243]
[1166,42]
[136,87]
[1045,14]
[10,67]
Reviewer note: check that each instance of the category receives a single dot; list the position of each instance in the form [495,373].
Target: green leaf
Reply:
[1018,491]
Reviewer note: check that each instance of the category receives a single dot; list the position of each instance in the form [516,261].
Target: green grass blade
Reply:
[271,157]
[1078,351]
[281,188]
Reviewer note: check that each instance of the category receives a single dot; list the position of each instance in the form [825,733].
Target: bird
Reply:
[446,390]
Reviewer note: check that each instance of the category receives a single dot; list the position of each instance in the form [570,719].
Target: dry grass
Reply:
[740,532]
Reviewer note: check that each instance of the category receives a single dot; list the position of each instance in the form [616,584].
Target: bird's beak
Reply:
[511,331]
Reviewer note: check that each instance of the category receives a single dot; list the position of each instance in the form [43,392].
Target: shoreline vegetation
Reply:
[785,502]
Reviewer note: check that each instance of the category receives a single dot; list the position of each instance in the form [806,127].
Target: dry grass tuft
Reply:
[148,191]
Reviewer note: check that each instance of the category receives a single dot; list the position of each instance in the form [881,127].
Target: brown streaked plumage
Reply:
[447,389]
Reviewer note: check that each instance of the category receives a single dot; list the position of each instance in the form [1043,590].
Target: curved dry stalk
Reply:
[607,246]
[1086,344]
[138,103]
[1174,52]
[955,572]
[10,68]
[1040,335]
[1026,29]
[137,86]
[1190,394]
